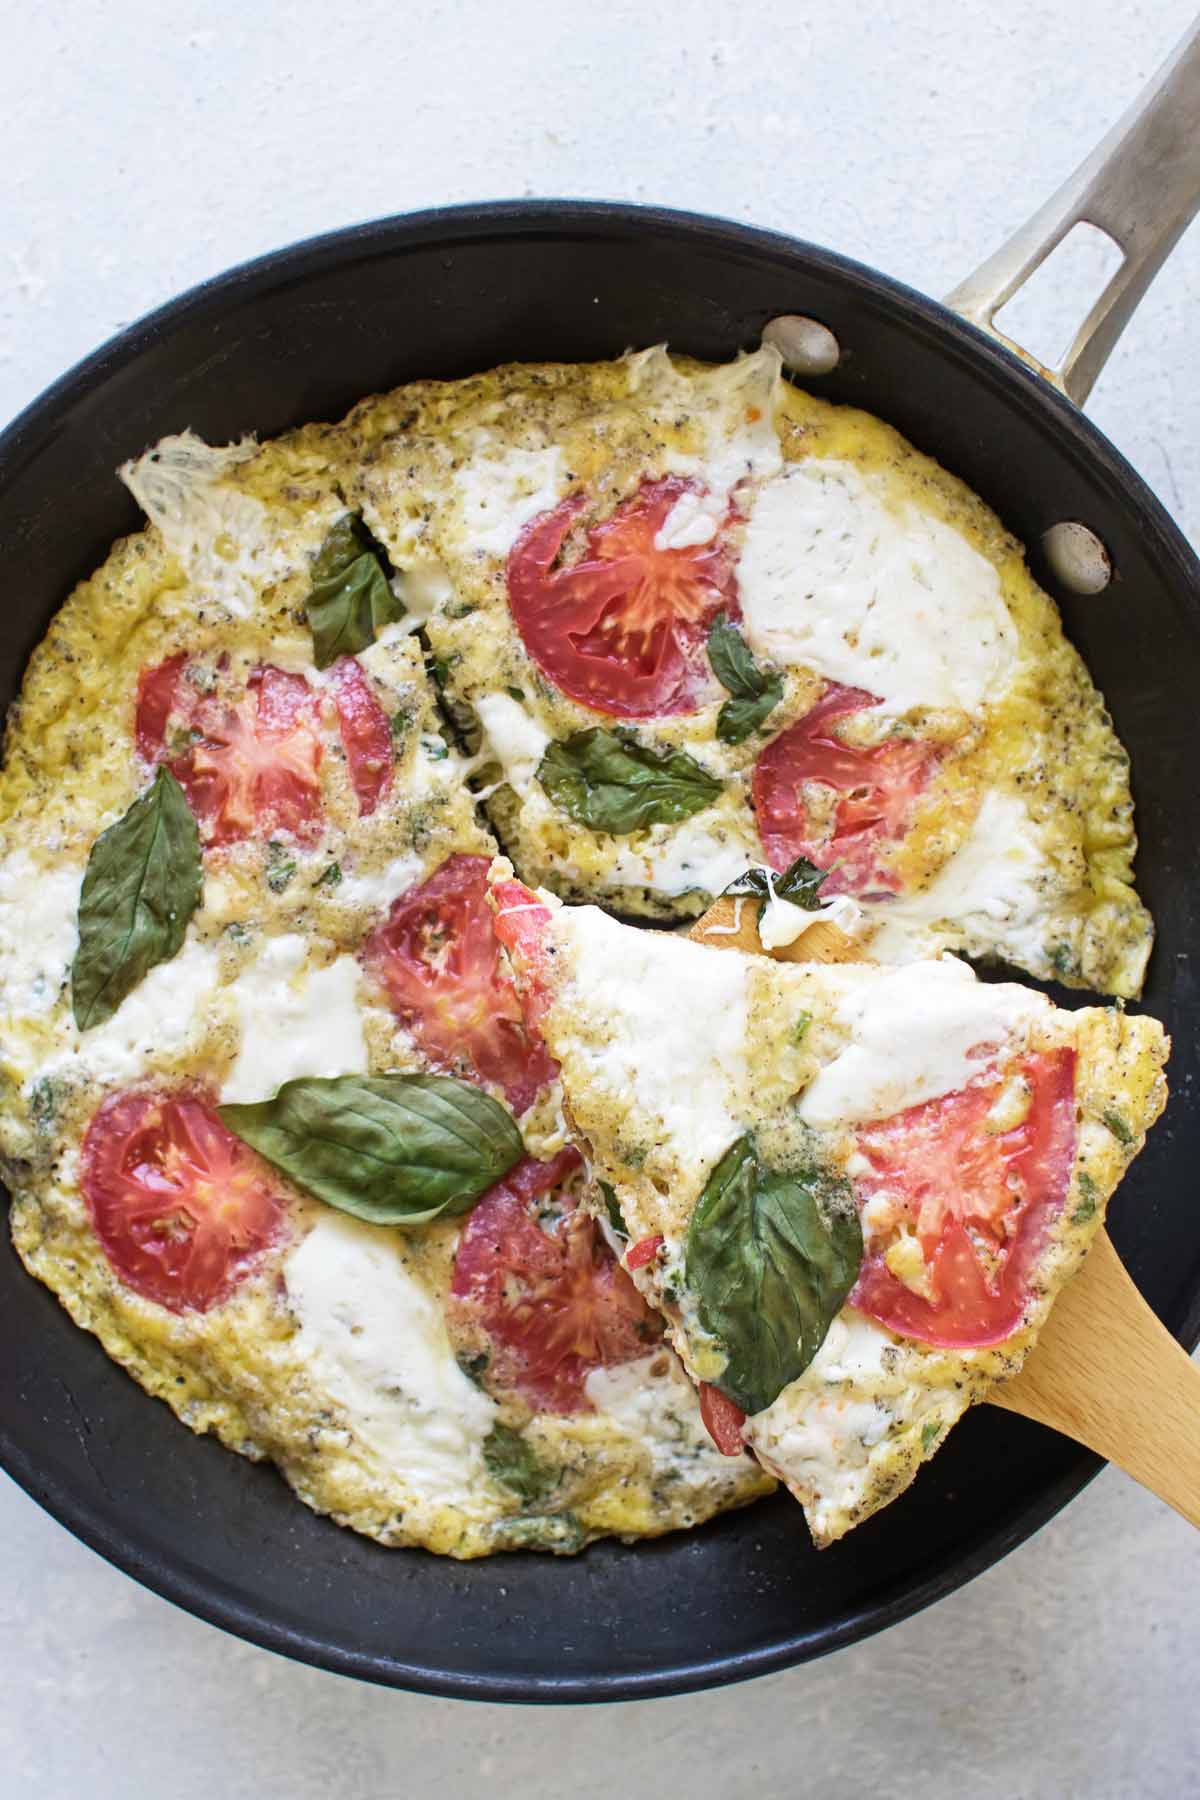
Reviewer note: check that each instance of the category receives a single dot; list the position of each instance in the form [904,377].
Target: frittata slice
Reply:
[853,1191]
[695,619]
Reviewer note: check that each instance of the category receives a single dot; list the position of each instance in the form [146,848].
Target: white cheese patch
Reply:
[877,595]
[695,518]
[989,893]
[159,1020]
[222,536]
[782,921]
[375,1341]
[500,490]
[375,889]
[678,1017]
[38,932]
[295,1020]
[914,1033]
[662,1413]
[514,739]
[424,587]
[695,855]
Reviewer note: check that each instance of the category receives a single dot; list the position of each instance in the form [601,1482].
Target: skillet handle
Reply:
[1140,185]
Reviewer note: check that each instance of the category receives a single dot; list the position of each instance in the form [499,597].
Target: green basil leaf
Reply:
[516,1465]
[770,1258]
[800,883]
[560,1533]
[350,599]
[612,1207]
[141,886]
[610,782]
[392,1149]
[738,718]
[754,695]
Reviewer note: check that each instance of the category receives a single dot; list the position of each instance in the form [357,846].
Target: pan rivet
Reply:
[806,346]
[1077,557]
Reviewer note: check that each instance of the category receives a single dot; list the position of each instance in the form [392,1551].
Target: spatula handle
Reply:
[1108,1374]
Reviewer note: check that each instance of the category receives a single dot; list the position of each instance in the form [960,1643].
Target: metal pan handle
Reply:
[1141,185]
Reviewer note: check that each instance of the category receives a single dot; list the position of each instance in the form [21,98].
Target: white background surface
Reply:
[144,147]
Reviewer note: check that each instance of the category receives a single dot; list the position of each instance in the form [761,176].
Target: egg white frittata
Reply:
[338,1352]
[662,623]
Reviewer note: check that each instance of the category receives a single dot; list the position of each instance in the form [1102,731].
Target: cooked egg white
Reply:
[671,1050]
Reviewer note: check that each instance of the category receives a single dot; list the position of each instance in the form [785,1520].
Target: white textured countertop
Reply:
[145,147]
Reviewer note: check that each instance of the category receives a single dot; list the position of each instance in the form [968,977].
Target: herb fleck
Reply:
[281,866]
[1118,1126]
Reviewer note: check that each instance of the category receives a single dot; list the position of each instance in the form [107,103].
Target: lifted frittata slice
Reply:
[853,1191]
[695,619]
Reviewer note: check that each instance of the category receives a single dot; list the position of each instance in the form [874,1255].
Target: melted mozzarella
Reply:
[661,1412]
[782,921]
[221,536]
[914,1033]
[677,1015]
[989,893]
[820,1432]
[512,737]
[880,596]
[500,490]
[38,931]
[695,518]
[819,1435]
[295,1021]
[157,1021]
[694,855]
[425,587]
[375,889]
[371,1337]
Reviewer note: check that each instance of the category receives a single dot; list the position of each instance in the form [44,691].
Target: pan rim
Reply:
[172,1578]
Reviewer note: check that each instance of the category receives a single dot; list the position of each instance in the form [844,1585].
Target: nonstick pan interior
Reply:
[299,336]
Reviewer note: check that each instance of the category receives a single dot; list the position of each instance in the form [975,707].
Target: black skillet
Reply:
[300,335]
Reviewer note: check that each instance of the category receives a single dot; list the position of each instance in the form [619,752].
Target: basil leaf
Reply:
[754,695]
[392,1149]
[558,1532]
[515,1464]
[350,600]
[610,782]
[770,1258]
[612,1207]
[800,883]
[141,886]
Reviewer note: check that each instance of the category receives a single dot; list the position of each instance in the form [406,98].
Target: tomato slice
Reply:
[438,957]
[874,795]
[644,1251]
[181,1207]
[366,734]
[534,1275]
[520,921]
[623,629]
[979,1201]
[247,762]
[723,1419]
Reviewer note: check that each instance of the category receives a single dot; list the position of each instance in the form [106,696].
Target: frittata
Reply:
[284,1131]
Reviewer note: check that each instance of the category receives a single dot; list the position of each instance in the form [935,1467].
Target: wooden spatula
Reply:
[1103,1371]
